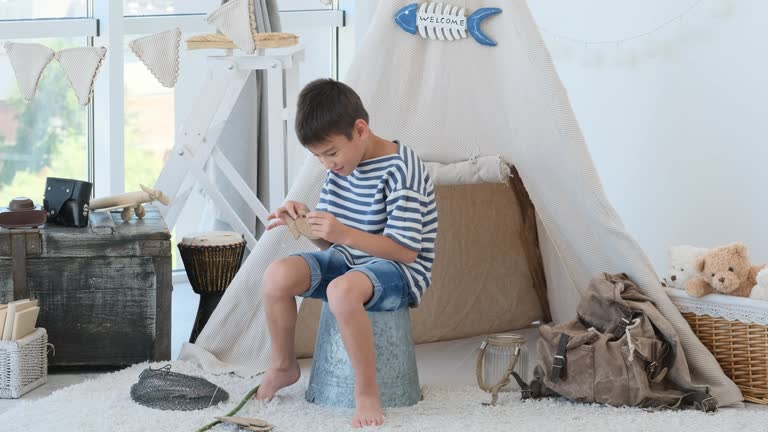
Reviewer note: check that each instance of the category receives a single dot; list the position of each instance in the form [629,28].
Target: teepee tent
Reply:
[459,103]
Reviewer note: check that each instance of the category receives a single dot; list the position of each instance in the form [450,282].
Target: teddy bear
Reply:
[724,270]
[760,290]
[682,267]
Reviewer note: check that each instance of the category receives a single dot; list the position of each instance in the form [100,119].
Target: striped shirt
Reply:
[390,195]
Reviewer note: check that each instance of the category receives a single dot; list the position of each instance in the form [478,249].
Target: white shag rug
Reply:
[104,404]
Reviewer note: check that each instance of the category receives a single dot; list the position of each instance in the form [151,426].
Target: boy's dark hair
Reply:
[327,107]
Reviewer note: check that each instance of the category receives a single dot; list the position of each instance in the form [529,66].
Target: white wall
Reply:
[676,121]
[678,137]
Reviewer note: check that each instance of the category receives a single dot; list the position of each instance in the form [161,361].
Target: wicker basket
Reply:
[735,330]
[23,364]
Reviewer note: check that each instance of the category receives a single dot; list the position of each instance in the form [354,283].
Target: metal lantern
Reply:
[499,356]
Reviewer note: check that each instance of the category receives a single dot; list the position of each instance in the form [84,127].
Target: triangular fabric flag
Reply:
[236,20]
[160,54]
[28,61]
[81,65]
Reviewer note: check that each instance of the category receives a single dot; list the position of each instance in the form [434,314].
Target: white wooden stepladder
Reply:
[195,152]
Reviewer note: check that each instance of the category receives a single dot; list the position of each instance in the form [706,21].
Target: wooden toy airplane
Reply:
[251,424]
[130,203]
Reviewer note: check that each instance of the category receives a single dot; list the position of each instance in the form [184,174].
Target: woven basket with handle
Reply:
[23,364]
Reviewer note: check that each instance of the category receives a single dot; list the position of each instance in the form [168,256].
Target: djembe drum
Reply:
[211,260]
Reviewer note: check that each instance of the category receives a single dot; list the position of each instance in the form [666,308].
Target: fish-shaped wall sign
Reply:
[444,21]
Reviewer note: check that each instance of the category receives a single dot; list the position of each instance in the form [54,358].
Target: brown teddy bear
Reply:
[724,270]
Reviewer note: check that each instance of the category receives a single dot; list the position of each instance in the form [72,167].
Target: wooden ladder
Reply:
[196,154]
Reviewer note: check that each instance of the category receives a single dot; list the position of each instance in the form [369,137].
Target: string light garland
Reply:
[639,48]
[618,42]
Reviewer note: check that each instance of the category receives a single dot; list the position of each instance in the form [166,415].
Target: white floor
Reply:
[451,362]
[183,312]
[443,363]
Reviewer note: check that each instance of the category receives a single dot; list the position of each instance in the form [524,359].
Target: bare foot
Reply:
[368,411]
[275,379]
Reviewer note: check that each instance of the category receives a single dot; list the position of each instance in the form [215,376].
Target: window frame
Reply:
[106,22]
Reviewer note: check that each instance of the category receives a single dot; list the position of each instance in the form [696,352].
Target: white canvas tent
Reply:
[454,101]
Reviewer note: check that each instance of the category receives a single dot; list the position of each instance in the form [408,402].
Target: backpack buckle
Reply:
[559,361]
[558,367]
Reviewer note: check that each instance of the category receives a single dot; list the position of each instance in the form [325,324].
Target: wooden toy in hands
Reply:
[300,225]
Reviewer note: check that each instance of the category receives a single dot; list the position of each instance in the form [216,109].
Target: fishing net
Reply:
[165,390]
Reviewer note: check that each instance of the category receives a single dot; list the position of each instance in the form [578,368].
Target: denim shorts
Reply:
[390,289]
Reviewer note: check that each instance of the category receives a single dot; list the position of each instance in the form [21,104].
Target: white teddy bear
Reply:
[682,264]
[760,291]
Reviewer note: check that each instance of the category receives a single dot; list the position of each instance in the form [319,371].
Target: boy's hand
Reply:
[291,208]
[326,226]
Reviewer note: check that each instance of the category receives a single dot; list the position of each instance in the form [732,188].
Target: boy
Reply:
[377,224]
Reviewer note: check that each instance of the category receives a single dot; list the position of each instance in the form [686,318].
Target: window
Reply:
[288,5]
[50,135]
[167,7]
[149,122]
[153,112]
[44,137]
[33,9]
[170,7]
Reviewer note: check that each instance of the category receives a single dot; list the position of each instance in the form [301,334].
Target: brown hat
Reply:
[22,213]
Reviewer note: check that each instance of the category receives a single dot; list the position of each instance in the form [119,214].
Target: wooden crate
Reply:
[104,290]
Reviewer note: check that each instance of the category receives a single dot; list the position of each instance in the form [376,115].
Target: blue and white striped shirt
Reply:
[390,195]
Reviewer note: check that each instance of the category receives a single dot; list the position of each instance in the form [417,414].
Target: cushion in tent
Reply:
[481,281]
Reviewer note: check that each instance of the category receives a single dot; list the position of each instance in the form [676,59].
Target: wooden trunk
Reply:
[104,290]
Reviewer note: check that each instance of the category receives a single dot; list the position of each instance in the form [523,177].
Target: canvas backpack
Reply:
[620,351]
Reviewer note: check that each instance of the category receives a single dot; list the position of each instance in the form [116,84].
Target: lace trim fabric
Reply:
[727,307]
